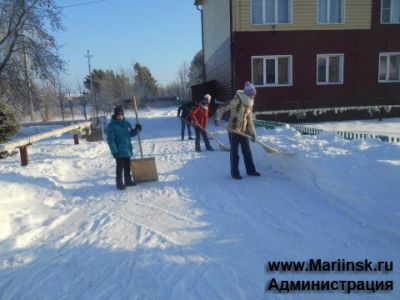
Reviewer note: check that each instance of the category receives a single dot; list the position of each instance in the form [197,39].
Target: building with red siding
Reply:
[303,54]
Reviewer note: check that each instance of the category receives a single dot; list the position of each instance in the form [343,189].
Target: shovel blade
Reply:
[144,169]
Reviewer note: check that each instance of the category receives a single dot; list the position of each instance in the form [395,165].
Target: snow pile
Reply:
[390,126]
[66,232]
[32,130]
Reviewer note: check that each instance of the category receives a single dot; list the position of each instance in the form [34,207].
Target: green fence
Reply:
[348,135]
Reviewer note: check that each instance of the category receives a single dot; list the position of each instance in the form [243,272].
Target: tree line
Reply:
[32,72]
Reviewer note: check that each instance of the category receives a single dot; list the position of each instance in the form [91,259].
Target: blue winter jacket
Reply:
[119,133]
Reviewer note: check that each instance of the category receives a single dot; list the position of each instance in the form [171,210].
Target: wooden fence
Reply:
[23,143]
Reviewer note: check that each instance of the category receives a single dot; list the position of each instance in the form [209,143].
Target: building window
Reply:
[272,70]
[389,67]
[271,11]
[390,11]
[330,68]
[331,11]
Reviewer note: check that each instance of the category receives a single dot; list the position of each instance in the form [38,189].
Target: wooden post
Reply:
[23,151]
[76,139]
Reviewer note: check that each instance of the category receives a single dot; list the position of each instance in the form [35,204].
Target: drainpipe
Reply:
[232,49]
[202,43]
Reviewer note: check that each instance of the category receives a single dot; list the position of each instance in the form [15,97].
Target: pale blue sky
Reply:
[159,34]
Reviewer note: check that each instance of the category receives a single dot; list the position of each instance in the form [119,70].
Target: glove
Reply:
[114,155]
[217,122]
[138,127]
[253,137]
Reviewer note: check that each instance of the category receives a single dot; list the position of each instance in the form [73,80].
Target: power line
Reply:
[84,3]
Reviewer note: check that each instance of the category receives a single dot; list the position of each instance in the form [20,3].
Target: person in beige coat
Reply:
[240,107]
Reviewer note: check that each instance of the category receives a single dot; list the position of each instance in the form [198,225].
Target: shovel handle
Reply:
[137,122]
[265,147]
[212,135]
[209,133]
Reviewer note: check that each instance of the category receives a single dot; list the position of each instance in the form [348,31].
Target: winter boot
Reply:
[129,182]
[236,176]
[120,184]
[255,173]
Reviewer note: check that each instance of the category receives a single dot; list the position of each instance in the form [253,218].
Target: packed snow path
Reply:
[67,233]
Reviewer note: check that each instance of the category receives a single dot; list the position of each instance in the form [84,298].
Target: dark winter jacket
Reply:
[119,133]
[184,110]
[200,116]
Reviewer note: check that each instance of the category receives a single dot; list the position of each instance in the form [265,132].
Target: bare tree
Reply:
[24,33]
[48,106]
[28,50]
[173,89]
[83,100]
[184,81]
[111,88]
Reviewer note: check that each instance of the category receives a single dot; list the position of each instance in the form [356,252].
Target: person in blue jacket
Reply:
[119,133]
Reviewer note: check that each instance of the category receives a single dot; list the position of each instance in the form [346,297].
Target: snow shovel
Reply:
[143,168]
[266,148]
[221,145]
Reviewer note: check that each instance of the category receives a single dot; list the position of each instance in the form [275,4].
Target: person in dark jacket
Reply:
[184,114]
[119,133]
[200,122]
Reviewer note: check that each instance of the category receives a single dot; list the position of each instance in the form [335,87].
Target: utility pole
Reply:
[88,56]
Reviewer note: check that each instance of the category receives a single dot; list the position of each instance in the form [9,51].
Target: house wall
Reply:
[216,25]
[361,59]
[360,40]
[217,44]
[305,12]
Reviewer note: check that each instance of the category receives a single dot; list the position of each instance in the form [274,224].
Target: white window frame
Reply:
[391,14]
[341,68]
[387,54]
[264,58]
[290,14]
[329,14]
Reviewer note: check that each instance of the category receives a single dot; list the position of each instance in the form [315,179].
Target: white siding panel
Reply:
[216,25]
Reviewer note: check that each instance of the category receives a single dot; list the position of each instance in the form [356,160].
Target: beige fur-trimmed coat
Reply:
[241,107]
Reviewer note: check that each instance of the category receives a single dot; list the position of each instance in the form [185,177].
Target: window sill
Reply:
[324,24]
[388,81]
[271,24]
[329,83]
[273,86]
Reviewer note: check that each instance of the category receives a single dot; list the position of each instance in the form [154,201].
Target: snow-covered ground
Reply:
[67,233]
[390,126]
